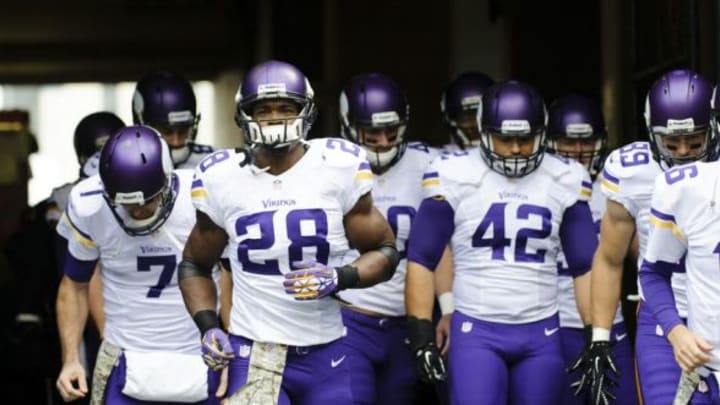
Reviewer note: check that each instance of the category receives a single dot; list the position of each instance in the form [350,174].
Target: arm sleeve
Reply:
[75,229]
[431,230]
[665,252]
[578,238]
[655,279]
[362,183]
[79,270]
[203,200]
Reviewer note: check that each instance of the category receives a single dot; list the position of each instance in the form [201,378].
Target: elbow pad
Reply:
[392,255]
[187,269]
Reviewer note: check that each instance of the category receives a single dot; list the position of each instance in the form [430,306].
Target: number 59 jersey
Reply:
[628,178]
[274,221]
[143,306]
[685,221]
[506,238]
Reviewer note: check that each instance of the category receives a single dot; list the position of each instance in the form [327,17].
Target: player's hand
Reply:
[442,334]
[428,361]
[597,365]
[72,383]
[691,351]
[216,349]
[312,281]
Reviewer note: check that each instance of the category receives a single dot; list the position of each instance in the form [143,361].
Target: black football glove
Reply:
[428,361]
[597,365]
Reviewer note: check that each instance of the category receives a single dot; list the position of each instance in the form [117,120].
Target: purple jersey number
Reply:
[264,223]
[635,154]
[495,220]
[168,264]
[678,173]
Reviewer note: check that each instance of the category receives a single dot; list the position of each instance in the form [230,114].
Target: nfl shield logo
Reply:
[244,351]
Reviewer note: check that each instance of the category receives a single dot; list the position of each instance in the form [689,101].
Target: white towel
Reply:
[165,376]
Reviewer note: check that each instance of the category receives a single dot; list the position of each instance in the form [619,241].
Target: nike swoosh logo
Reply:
[550,332]
[334,363]
[620,337]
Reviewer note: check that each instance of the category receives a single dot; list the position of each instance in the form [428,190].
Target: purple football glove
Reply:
[312,281]
[216,349]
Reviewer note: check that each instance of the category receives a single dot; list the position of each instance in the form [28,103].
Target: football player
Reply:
[458,108]
[166,102]
[576,130]
[684,228]
[505,212]
[134,217]
[374,114]
[677,115]
[289,210]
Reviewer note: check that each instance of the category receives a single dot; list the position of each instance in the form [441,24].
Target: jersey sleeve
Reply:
[347,169]
[205,184]
[666,241]
[75,227]
[362,183]
[439,180]
[626,172]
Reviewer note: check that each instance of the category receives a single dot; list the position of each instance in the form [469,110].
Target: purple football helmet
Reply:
[275,80]
[462,98]
[166,100]
[135,169]
[374,101]
[512,109]
[679,104]
[93,131]
[578,118]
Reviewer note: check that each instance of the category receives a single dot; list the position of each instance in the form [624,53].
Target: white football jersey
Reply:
[506,237]
[397,194]
[273,221]
[628,178]
[198,152]
[569,315]
[144,309]
[685,218]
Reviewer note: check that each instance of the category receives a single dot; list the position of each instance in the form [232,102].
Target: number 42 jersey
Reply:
[274,221]
[507,233]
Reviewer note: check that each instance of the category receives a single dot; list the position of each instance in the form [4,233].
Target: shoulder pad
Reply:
[338,152]
[86,198]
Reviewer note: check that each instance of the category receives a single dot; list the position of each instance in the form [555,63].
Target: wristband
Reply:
[600,334]
[447,303]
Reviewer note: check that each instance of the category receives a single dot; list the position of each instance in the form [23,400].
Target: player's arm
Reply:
[429,236]
[226,287]
[95,301]
[444,278]
[579,243]
[664,256]
[202,251]
[369,232]
[72,313]
[616,231]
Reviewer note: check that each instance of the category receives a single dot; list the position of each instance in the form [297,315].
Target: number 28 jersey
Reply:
[143,306]
[506,237]
[274,221]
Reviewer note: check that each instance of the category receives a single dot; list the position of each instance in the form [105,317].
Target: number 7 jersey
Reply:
[143,306]
[273,221]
